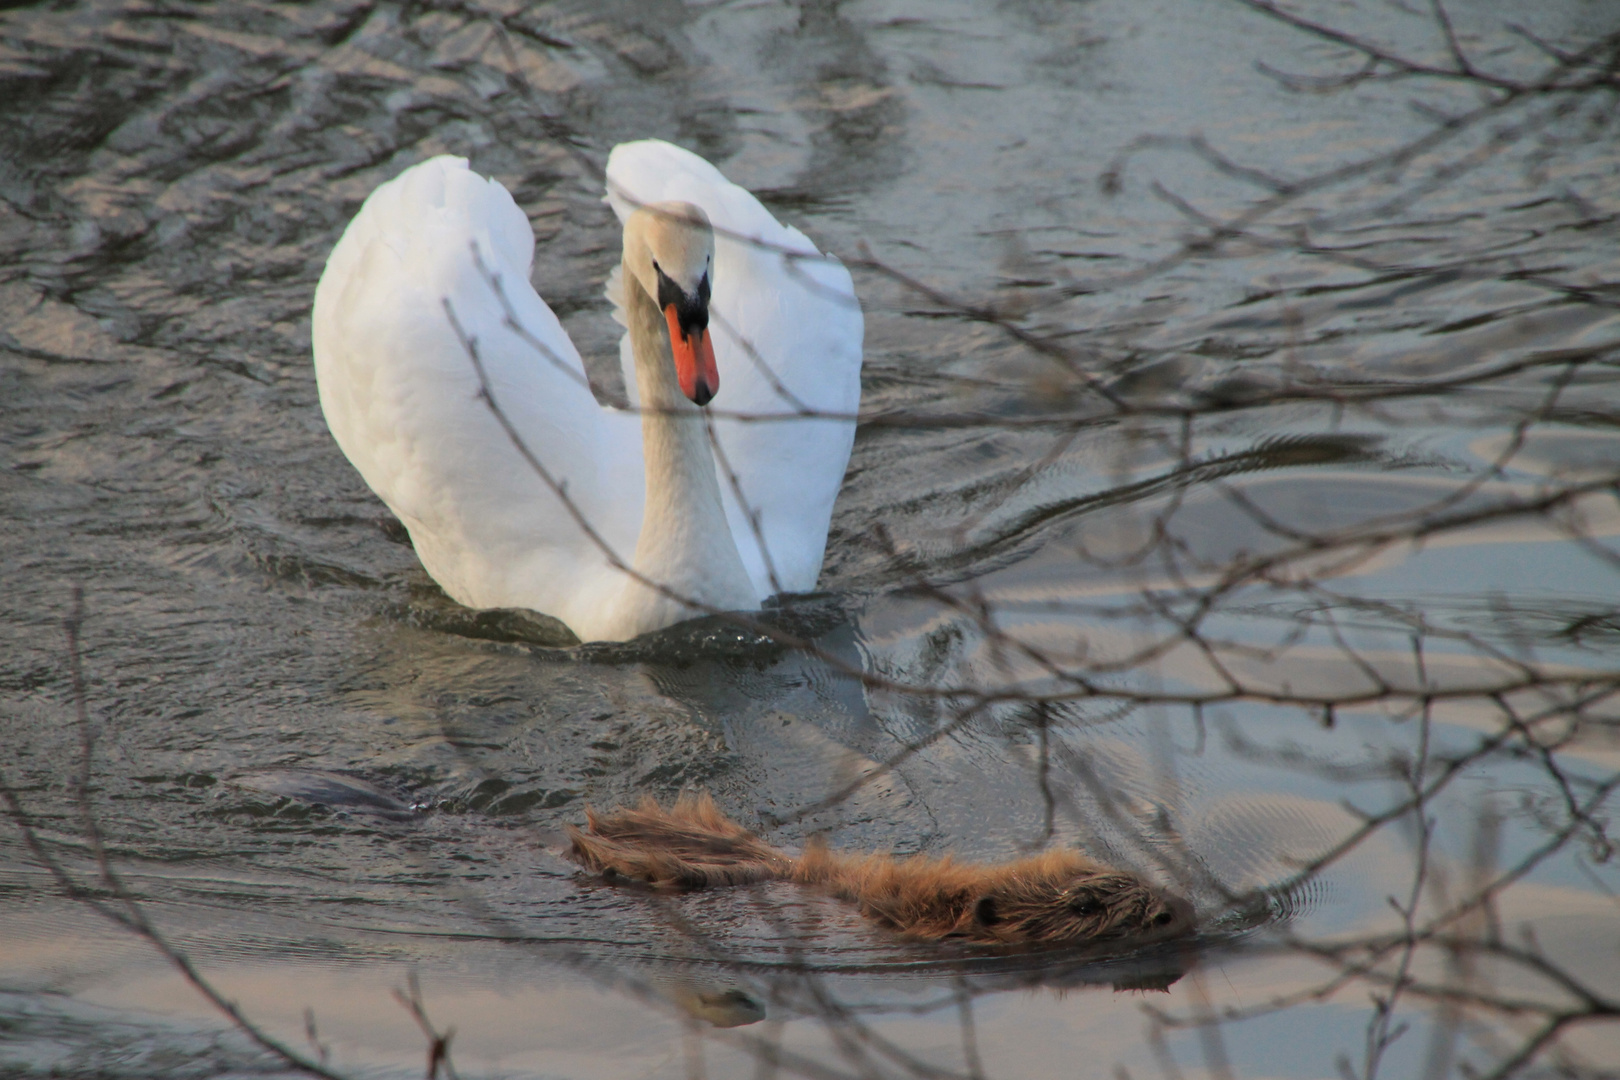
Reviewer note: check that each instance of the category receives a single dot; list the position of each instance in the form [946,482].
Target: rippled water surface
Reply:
[319,775]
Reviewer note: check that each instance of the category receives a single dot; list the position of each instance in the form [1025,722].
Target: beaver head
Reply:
[1093,906]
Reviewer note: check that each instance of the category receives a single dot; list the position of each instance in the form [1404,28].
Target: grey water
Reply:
[321,778]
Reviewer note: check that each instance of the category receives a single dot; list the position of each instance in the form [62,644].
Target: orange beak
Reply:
[694,360]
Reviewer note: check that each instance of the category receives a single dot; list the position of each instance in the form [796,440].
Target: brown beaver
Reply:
[1052,898]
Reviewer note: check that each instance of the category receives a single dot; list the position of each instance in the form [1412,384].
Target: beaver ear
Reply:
[984,911]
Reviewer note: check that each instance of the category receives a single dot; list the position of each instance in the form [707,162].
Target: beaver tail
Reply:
[692,845]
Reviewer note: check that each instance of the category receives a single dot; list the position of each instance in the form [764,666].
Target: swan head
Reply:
[669,249]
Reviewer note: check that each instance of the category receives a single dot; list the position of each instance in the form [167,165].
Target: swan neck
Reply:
[685,542]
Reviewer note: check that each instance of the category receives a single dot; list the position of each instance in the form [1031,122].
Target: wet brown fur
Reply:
[692,845]
[1051,898]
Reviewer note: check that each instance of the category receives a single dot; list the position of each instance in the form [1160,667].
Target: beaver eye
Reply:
[984,912]
[1085,905]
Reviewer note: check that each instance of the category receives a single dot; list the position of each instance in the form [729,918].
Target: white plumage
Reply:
[401,397]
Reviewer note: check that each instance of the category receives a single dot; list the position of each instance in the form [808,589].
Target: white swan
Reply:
[400,395]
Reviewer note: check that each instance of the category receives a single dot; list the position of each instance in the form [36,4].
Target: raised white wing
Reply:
[804,326]
[401,396]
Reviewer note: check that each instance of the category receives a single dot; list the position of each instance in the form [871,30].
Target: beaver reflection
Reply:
[1052,898]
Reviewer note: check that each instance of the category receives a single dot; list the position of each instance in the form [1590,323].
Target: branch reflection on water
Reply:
[1220,620]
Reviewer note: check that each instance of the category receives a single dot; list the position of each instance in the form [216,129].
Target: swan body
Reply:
[401,395]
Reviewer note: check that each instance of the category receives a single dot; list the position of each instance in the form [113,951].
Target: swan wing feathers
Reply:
[787,332]
[401,396]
